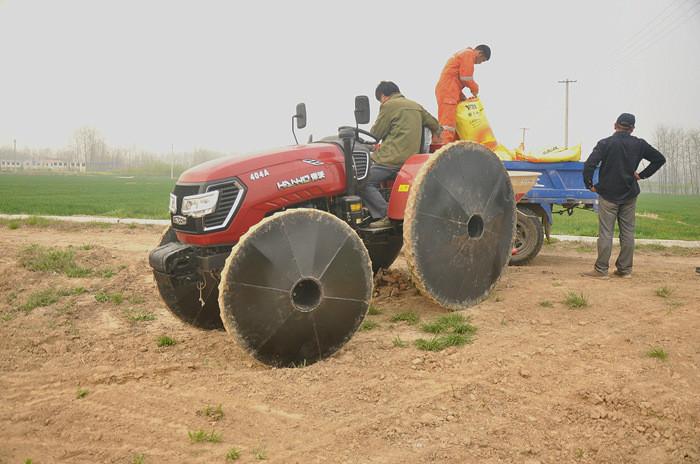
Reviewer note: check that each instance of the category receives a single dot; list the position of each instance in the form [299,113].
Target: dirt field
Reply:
[83,381]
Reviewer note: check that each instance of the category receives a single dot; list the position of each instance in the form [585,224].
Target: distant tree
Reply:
[90,147]
[681,173]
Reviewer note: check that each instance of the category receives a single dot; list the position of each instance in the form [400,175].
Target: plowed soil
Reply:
[84,381]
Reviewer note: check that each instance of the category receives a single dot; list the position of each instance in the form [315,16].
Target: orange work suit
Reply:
[457,74]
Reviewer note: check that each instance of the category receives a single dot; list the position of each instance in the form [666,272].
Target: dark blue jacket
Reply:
[619,156]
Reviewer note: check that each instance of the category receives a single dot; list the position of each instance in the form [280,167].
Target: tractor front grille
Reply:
[231,194]
[361,161]
[229,197]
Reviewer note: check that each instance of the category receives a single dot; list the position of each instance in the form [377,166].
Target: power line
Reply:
[652,39]
[661,18]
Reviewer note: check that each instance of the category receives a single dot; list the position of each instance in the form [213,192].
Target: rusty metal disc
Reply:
[181,293]
[296,287]
[459,224]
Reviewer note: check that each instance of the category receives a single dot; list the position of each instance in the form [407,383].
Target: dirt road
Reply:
[83,380]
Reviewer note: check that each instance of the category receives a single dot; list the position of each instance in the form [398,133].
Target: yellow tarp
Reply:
[551,155]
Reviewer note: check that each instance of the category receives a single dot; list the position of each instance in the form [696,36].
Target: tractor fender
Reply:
[402,185]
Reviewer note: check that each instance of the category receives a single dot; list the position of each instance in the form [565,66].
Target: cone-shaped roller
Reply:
[296,287]
[459,224]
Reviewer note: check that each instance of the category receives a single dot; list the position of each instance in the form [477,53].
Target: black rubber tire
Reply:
[296,287]
[383,252]
[181,295]
[529,237]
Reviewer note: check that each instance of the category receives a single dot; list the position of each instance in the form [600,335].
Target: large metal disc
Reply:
[459,224]
[296,287]
[181,294]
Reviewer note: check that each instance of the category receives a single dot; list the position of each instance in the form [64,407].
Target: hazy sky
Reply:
[226,75]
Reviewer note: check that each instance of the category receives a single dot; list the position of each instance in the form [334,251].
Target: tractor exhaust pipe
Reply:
[347,135]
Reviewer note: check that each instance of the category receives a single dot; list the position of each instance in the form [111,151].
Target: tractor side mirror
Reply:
[361,109]
[301,116]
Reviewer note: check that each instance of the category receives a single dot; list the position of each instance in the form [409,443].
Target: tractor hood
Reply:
[239,165]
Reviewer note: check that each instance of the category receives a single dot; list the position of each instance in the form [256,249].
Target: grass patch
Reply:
[212,412]
[398,343]
[105,297]
[48,297]
[663,292]
[38,221]
[373,310]
[13,224]
[546,304]
[369,325]
[260,453]
[136,299]
[200,436]
[138,315]
[575,300]
[40,299]
[42,259]
[454,322]
[450,330]
[164,340]
[409,317]
[82,393]
[441,342]
[138,459]
[233,454]
[658,353]
[107,273]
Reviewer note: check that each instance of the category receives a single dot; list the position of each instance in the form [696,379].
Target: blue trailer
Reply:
[559,185]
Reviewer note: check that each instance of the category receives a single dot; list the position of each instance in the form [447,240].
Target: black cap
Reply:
[625,120]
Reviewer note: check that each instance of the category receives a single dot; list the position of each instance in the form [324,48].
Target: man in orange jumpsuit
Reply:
[457,74]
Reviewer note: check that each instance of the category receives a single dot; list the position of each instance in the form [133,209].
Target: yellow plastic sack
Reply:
[504,153]
[473,125]
[551,155]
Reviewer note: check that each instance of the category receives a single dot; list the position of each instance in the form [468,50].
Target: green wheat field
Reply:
[658,216]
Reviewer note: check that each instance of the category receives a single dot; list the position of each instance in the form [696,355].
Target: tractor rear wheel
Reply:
[181,293]
[459,224]
[296,287]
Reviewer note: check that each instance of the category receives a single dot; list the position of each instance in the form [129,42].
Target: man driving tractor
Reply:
[399,125]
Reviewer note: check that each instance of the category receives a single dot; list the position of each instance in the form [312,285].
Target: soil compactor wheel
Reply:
[182,294]
[296,287]
[459,224]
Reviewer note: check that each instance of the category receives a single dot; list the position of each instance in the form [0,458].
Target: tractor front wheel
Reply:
[296,287]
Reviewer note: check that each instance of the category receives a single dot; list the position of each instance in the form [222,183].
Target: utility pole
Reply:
[522,141]
[172,160]
[566,112]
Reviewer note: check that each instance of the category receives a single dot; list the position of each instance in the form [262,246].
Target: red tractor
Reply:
[274,246]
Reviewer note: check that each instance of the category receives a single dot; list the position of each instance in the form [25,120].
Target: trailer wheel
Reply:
[529,236]
[296,287]
[181,294]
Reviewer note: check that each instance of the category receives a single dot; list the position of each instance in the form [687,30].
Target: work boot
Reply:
[382,223]
[624,275]
[595,274]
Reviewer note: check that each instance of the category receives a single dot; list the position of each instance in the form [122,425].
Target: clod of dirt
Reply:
[392,283]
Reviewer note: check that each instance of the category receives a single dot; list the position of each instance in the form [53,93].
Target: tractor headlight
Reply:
[200,205]
[173,204]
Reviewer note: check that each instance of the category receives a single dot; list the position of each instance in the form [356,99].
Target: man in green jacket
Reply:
[399,126]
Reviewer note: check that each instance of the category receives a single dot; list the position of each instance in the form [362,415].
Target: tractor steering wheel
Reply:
[359,131]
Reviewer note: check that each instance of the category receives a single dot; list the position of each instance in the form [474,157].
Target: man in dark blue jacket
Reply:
[618,156]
